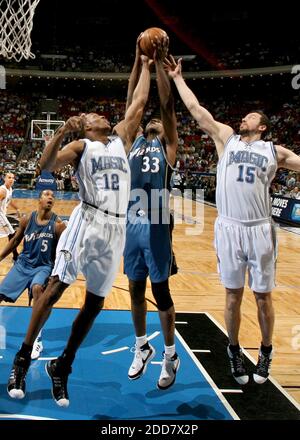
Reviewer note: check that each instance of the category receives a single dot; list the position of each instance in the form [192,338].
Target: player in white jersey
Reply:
[94,240]
[6,200]
[244,234]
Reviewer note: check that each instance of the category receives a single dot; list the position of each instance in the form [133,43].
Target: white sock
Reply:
[141,340]
[169,351]
[39,336]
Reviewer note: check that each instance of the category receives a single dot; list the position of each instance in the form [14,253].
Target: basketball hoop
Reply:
[44,129]
[47,135]
[16,21]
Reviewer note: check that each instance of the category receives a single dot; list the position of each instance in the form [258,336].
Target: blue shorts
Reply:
[20,278]
[147,252]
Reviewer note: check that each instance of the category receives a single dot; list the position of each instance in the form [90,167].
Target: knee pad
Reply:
[161,293]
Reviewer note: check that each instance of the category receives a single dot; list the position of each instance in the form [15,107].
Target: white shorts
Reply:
[241,247]
[92,244]
[5,227]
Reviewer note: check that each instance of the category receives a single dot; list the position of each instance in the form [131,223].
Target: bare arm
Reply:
[128,128]
[11,203]
[53,159]
[167,110]
[59,227]
[2,193]
[135,73]
[17,238]
[287,159]
[216,130]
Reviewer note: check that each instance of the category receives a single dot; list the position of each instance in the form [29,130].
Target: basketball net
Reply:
[47,138]
[16,21]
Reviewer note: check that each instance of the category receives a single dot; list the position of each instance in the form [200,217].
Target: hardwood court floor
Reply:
[197,288]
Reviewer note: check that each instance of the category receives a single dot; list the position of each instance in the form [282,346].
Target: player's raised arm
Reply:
[216,130]
[168,116]
[128,128]
[53,159]
[135,73]
[287,158]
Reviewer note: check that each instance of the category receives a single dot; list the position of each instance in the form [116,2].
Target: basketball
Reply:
[145,42]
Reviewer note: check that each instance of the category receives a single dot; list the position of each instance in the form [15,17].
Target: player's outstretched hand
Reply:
[138,51]
[172,67]
[146,60]
[161,47]
[74,124]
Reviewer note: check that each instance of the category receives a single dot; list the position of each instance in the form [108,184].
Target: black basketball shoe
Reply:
[16,386]
[263,367]
[237,364]
[59,373]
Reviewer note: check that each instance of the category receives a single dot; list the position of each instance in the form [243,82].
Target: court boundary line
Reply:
[189,352]
[208,378]
[251,359]
[24,417]
[274,381]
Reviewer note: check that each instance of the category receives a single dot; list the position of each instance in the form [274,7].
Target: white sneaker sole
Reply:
[16,394]
[242,380]
[259,379]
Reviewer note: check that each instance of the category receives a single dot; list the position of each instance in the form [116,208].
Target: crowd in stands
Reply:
[196,160]
[264,55]
[286,184]
[242,56]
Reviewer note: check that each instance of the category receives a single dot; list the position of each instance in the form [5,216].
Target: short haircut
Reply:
[264,120]
[43,190]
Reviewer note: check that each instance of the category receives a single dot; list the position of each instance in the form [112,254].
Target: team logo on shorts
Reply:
[67,255]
